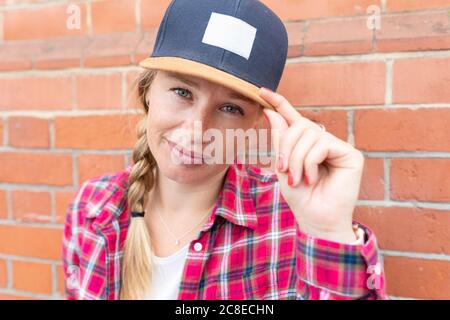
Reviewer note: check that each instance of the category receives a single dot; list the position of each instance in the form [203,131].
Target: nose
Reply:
[201,115]
[196,121]
[201,111]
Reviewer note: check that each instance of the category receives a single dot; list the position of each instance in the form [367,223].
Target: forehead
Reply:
[196,82]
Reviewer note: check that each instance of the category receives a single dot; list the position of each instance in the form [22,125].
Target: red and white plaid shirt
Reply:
[250,248]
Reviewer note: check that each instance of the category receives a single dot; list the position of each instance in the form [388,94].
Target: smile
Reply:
[185,156]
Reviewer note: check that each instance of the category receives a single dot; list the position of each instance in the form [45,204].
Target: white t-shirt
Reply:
[167,273]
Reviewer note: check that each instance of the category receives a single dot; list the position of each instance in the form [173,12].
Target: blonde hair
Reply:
[136,265]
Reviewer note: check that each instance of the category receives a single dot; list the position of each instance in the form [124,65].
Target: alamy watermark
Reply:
[73,21]
[222,147]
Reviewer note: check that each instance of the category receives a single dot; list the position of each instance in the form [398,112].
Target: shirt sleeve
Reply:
[332,270]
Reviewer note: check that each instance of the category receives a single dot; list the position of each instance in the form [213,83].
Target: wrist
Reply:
[347,236]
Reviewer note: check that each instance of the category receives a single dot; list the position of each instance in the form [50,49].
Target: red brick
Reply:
[423,129]
[296,35]
[3,207]
[347,36]
[372,182]
[99,91]
[96,132]
[34,93]
[3,274]
[29,132]
[32,277]
[91,165]
[152,12]
[408,229]
[61,53]
[32,168]
[111,50]
[18,55]
[420,179]
[61,279]
[41,22]
[31,206]
[113,16]
[417,278]
[423,80]
[407,5]
[145,46]
[311,9]
[334,83]
[334,120]
[132,96]
[1,132]
[417,31]
[62,201]
[36,242]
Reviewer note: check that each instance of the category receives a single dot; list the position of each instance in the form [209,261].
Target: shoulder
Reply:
[99,198]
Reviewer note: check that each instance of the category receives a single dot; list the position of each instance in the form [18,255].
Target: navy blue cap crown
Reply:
[241,37]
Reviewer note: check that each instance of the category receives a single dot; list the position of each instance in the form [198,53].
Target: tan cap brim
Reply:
[206,72]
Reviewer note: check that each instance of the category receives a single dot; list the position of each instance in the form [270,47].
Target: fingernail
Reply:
[290,178]
[306,180]
[280,163]
[267,89]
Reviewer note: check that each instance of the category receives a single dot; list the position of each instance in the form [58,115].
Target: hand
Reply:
[319,174]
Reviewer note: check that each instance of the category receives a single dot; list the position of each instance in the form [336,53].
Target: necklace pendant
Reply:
[177,242]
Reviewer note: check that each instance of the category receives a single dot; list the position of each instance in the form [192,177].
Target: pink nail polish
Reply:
[306,180]
[290,178]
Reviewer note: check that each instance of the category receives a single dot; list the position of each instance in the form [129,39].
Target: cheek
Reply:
[160,119]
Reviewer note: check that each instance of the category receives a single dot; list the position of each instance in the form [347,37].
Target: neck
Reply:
[174,199]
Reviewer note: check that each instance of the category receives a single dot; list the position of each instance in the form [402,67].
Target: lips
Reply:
[185,152]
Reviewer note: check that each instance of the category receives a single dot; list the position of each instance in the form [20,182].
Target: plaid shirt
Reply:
[250,248]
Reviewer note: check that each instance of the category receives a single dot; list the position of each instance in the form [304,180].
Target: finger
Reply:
[298,155]
[338,154]
[287,144]
[278,126]
[316,155]
[281,105]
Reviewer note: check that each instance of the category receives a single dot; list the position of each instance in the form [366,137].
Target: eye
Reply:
[233,110]
[181,92]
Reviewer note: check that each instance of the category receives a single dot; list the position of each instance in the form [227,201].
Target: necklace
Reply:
[177,239]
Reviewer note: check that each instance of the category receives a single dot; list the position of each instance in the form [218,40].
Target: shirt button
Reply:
[198,246]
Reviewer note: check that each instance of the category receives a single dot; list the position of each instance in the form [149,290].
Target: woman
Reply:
[177,225]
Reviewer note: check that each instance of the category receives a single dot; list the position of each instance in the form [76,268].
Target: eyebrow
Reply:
[184,79]
[181,77]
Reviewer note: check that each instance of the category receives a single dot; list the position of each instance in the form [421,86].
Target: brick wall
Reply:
[66,116]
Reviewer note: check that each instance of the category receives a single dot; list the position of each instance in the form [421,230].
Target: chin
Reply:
[186,174]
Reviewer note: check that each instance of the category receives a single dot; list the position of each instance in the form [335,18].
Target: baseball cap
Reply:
[240,44]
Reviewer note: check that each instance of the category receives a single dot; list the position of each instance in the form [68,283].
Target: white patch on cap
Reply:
[230,33]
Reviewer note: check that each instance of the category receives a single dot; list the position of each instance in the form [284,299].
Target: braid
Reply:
[137,266]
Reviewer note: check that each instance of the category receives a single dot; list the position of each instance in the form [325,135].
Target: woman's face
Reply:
[180,105]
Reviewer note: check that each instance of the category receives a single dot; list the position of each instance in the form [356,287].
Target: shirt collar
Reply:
[235,202]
